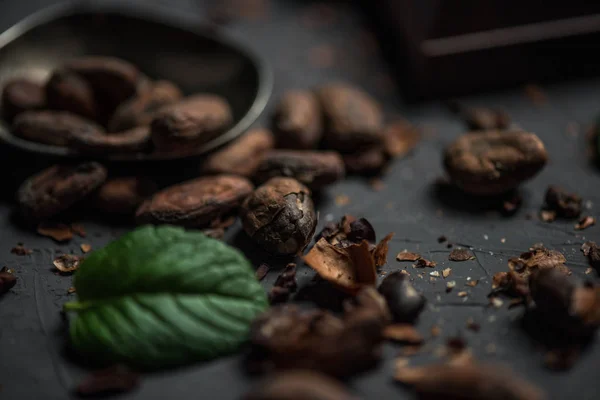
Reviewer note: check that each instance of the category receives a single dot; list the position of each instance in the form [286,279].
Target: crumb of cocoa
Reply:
[262,271]
[442,239]
[86,247]
[459,254]
[456,344]
[585,222]
[402,333]
[115,379]
[446,272]
[472,283]
[377,184]
[562,203]
[449,245]
[511,204]
[71,290]
[58,232]
[423,263]
[436,331]
[7,280]
[67,263]
[342,200]
[462,294]
[21,250]
[472,325]
[450,285]
[284,286]
[435,274]
[406,255]
[496,302]
[79,230]
[589,270]
[547,216]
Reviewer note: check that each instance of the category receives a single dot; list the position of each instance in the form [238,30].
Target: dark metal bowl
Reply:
[162,44]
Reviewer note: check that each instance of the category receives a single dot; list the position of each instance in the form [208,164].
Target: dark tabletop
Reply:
[308,44]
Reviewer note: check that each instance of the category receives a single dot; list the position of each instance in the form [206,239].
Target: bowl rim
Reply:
[156,14]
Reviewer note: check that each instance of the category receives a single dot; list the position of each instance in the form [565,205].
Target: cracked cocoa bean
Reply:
[53,127]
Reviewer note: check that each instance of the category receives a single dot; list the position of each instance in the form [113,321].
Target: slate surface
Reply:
[304,52]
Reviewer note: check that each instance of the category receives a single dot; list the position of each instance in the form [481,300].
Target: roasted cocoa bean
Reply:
[242,157]
[315,169]
[141,109]
[196,203]
[67,91]
[123,195]
[298,122]
[490,163]
[280,216]
[131,141]
[192,122]
[353,120]
[57,188]
[20,95]
[54,127]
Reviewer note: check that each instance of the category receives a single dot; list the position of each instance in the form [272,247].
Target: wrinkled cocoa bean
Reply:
[490,163]
[189,123]
[20,95]
[315,169]
[280,216]
[123,195]
[298,122]
[53,127]
[131,141]
[141,109]
[67,91]
[196,203]
[353,120]
[242,157]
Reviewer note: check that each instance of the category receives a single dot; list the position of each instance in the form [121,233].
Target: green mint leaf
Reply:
[162,296]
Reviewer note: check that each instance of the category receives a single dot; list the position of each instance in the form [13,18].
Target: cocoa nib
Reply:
[346,254]
[7,280]
[403,300]
[284,285]
[571,307]
[21,250]
[262,271]
[407,256]
[467,381]
[565,205]
[287,337]
[115,379]
[299,385]
[461,255]
[592,252]
[585,223]
[58,232]
[67,263]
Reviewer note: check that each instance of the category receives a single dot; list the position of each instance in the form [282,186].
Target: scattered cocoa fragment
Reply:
[442,239]
[423,263]
[68,91]
[450,285]
[67,263]
[241,157]
[342,200]
[403,300]
[400,137]
[592,252]
[21,250]
[585,222]
[565,205]
[467,381]
[346,254]
[279,216]
[461,255]
[215,233]
[353,120]
[472,325]
[79,230]
[494,162]
[511,204]
[315,169]
[262,271]
[58,232]
[589,270]
[287,337]
[561,359]
[472,283]
[86,247]
[284,285]
[299,385]
[376,184]
[115,379]
[547,215]
[403,333]
[195,203]
[405,255]
[7,280]
[298,122]
[436,331]
[462,294]
[71,290]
